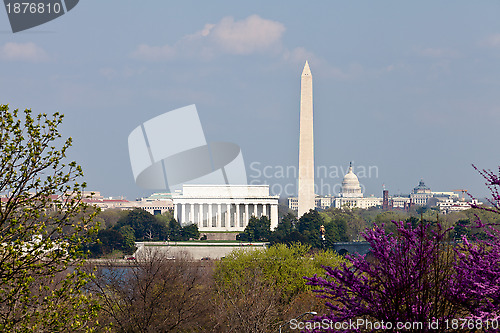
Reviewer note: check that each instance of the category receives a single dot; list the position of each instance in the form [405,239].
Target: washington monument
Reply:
[306,144]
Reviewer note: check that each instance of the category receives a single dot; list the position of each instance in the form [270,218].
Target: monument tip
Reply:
[307,70]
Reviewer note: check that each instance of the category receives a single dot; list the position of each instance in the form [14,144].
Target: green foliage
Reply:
[109,241]
[281,266]
[256,290]
[335,222]
[285,232]
[109,217]
[309,226]
[146,227]
[128,244]
[43,224]
[256,230]
[388,216]
[190,231]
[164,219]
[462,228]
[307,229]
[485,216]
[385,219]
[174,231]
[106,242]
[177,233]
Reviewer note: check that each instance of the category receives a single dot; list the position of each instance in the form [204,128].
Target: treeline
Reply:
[119,230]
[306,230]
[347,225]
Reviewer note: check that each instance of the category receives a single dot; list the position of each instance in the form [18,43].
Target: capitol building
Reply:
[351,196]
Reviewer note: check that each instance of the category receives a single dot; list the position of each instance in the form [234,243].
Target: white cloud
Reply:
[23,52]
[250,35]
[253,34]
[491,41]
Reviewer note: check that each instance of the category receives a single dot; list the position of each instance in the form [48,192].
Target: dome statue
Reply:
[350,185]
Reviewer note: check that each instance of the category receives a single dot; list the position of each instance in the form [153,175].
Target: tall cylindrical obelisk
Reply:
[306,144]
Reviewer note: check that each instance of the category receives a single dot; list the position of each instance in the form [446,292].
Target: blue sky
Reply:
[410,88]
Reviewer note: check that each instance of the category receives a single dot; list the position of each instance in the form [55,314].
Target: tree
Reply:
[336,224]
[128,245]
[109,217]
[43,224]
[256,230]
[410,279]
[309,226]
[256,290]
[164,218]
[417,275]
[348,223]
[155,294]
[107,241]
[386,218]
[307,229]
[462,228]
[477,279]
[145,225]
[285,232]
[174,231]
[190,231]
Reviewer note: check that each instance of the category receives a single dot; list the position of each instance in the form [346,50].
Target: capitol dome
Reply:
[350,185]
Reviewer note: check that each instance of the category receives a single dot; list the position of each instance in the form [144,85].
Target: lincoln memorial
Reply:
[224,207]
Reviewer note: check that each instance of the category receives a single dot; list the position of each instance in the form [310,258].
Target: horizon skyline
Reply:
[415,100]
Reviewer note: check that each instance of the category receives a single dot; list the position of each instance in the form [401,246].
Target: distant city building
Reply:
[363,203]
[449,206]
[319,201]
[158,203]
[351,196]
[420,194]
[399,201]
[350,185]
[211,207]
[385,199]
[324,202]
[224,207]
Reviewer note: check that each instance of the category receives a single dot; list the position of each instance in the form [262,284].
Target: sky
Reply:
[404,90]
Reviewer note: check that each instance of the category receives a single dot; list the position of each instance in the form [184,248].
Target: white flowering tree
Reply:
[43,224]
